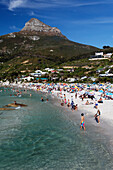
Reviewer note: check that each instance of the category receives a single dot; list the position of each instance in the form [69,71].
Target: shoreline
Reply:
[101,131]
[106,117]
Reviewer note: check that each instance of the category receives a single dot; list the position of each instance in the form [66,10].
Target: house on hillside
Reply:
[106,75]
[100,56]
[49,69]
[71,80]
[38,73]
[29,78]
[41,72]
[108,55]
[84,77]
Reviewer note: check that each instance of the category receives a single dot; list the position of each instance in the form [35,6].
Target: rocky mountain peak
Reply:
[35,25]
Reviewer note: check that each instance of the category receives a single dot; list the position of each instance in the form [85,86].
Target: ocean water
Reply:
[46,136]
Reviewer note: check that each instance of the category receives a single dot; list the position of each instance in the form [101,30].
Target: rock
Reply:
[34,38]
[36,27]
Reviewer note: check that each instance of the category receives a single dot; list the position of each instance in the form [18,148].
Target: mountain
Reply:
[35,26]
[38,45]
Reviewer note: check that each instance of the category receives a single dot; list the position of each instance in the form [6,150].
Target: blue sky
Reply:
[84,21]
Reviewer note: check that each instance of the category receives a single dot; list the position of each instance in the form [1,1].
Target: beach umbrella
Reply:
[76,87]
[101,91]
[100,84]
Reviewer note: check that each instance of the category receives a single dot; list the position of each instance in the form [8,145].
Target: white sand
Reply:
[106,107]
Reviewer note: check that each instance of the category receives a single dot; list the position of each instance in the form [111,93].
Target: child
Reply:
[87,102]
[82,122]
[96,105]
[97,116]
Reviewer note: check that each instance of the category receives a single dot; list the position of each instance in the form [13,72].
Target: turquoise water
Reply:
[45,135]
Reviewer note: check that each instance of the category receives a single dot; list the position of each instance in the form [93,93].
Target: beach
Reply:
[49,135]
[60,89]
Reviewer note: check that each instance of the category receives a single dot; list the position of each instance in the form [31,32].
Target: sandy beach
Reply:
[59,90]
[67,92]
[106,107]
[54,128]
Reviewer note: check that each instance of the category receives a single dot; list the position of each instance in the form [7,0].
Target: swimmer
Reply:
[42,99]
[15,102]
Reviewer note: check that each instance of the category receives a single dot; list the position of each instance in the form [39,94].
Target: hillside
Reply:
[38,45]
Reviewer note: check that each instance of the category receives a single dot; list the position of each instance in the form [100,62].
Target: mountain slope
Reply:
[40,45]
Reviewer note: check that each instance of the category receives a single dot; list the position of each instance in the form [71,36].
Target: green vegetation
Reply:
[21,55]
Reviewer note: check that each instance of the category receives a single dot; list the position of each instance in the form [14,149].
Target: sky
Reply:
[88,22]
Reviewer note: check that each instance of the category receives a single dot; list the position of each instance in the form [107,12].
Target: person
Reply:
[15,102]
[76,107]
[87,102]
[76,95]
[82,97]
[100,100]
[62,102]
[65,101]
[68,104]
[42,99]
[97,116]
[82,124]
[64,96]
[92,97]
[96,105]
[72,105]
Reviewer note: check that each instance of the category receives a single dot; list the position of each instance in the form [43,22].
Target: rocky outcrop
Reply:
[1,41]
[36,26]
[34,38]
[11,35]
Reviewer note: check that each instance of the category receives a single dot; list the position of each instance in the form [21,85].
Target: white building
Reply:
[99,53]
[85,77]
[38,73]
[106,75]
[29,78]
[71,80]
[41,72]
[108,55]
[49,69]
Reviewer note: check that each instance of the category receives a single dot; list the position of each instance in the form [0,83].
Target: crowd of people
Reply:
[90,96]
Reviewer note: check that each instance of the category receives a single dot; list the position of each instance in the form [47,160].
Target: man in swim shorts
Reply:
[82,124]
